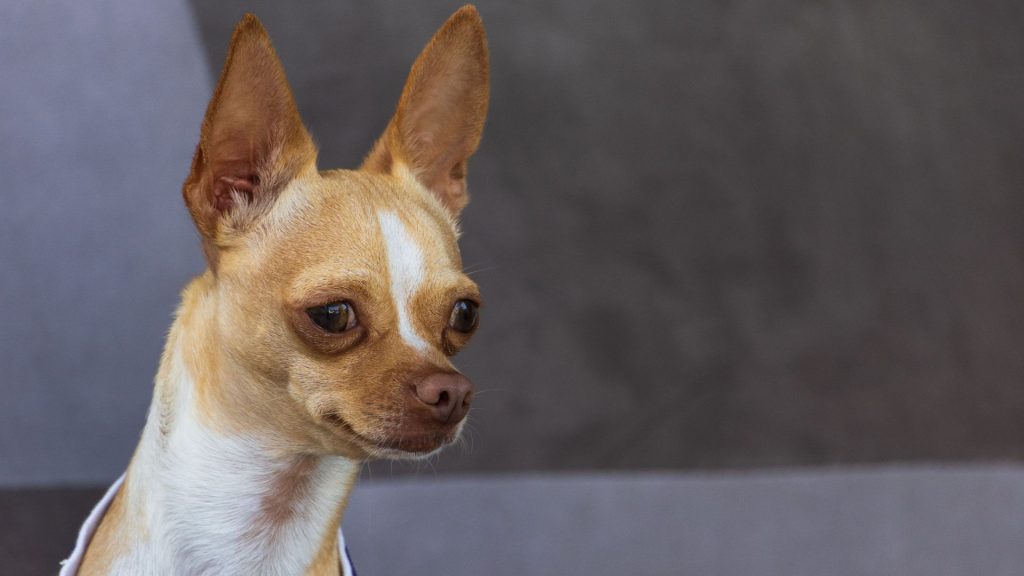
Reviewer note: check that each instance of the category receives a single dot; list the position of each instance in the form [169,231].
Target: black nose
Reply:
[445,396]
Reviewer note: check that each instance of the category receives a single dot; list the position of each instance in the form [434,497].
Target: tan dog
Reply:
[321,334]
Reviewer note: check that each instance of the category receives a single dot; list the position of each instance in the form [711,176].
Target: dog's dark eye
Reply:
[464,316]
[334,317]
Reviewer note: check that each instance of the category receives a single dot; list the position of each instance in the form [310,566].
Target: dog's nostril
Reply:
[445,396]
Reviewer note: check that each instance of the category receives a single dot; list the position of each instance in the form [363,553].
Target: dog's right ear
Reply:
[252,141]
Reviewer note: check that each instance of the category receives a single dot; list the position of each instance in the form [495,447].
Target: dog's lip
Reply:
[414,445]
[421,443]
[418,444]
[337,422]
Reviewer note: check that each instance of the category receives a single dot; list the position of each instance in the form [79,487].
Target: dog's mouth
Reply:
[417,444]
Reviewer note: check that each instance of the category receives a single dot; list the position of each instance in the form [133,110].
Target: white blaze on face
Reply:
[405,266]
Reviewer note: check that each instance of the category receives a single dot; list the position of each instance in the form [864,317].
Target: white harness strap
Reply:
[70,566]
[346,562]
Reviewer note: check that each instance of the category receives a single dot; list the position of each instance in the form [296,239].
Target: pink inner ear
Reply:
[225,184]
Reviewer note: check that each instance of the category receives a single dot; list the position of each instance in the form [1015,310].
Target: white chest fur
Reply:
[212,503]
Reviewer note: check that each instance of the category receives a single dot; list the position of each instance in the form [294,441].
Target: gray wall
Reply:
[710,234]
[99,108]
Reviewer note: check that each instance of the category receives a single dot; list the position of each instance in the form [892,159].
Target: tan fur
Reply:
[326,561]
[251,132]
[107,544]
[440,117]
[281,236]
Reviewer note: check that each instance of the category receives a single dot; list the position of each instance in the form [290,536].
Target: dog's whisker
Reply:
[490,391]
[472,271]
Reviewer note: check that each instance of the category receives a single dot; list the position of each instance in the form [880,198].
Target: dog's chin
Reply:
[397,446]
[415,447]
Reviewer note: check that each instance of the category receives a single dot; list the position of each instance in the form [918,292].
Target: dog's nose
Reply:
[445,396]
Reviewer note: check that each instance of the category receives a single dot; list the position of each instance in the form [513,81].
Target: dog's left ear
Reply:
[440,116]
[252,142]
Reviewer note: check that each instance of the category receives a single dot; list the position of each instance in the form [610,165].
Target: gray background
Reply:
[710,234]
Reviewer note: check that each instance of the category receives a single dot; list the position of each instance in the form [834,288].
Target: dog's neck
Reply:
[206,495]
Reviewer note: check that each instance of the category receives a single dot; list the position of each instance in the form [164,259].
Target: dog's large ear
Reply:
[252,141]
[440,116]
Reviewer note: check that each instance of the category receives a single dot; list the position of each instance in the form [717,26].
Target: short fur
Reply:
[260,420]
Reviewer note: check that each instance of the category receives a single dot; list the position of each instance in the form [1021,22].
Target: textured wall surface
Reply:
[708,233]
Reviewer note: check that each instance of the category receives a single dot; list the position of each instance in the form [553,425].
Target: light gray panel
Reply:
[100,106]
[896,521]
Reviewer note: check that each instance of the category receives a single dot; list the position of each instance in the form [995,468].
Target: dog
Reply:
[319,336]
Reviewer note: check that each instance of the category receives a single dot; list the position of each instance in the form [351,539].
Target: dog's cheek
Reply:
[256,336]
[364,393]
[318,384]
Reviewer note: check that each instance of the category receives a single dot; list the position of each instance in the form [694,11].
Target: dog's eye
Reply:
[335,317]
[464,316]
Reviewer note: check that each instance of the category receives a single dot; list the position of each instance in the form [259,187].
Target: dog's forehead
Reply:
[359,220]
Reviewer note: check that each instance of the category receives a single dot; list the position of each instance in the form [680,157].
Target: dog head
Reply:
[340,293]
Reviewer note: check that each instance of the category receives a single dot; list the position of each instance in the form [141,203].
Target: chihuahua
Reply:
[321,333]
